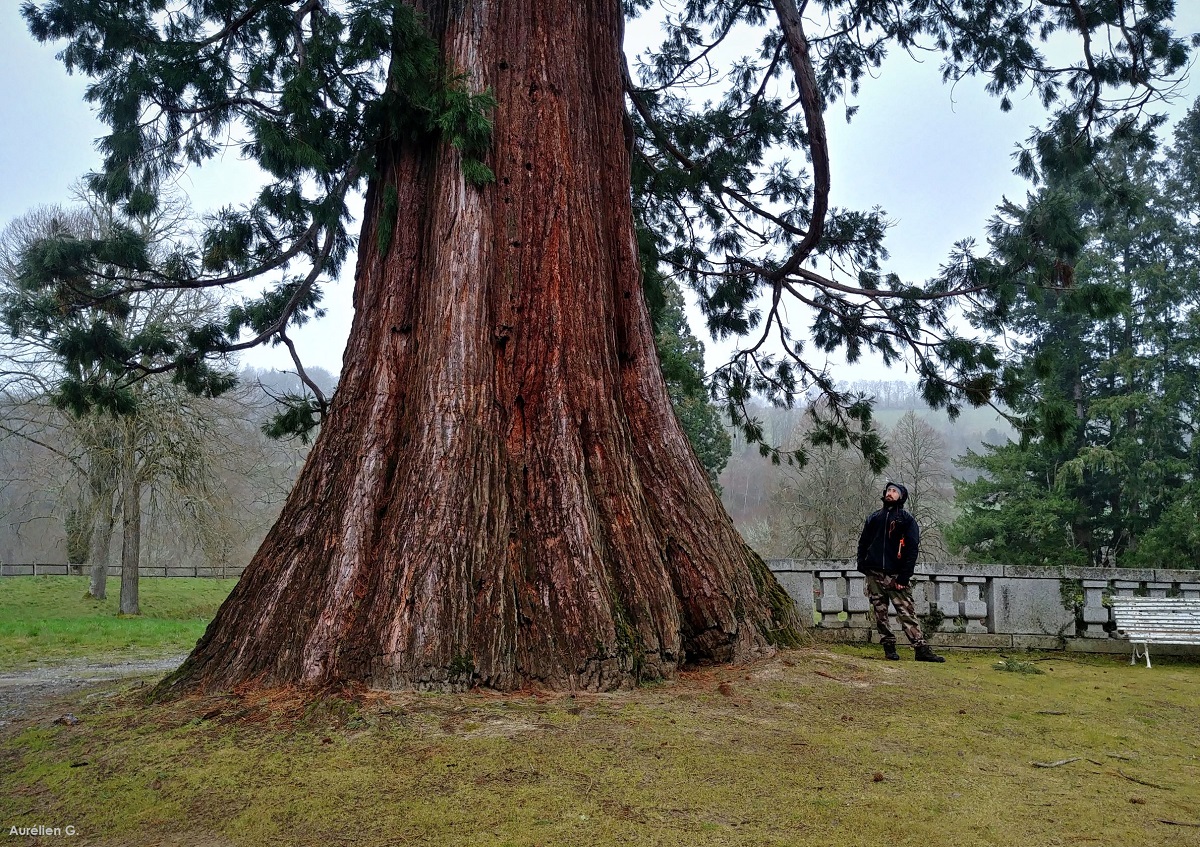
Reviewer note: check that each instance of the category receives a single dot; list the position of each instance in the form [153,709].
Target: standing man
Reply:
[887,554]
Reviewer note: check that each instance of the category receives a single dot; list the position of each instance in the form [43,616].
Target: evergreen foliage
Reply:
[743,223]
[305,90]
[681,356]
[1106,473]
[732,193]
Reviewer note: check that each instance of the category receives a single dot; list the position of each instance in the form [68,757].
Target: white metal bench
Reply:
[1156,620]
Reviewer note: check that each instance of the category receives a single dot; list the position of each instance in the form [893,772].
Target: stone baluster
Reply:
[1095,613]
[1126,587]
[857,603]
[1158,589]
[974,607]
[1190,590]
[832,603]
[944,597]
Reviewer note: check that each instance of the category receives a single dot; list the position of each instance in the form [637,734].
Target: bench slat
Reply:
[1173,602]
[1158,620]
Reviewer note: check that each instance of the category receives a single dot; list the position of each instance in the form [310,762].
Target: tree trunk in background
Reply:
[131,525]
[501,495]
[103,481]
[101,539]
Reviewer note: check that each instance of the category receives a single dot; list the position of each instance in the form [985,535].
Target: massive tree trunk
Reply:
[501,495]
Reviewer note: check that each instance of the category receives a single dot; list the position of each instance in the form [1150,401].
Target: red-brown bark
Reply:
[501,494]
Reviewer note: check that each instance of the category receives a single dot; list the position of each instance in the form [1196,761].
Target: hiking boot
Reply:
[925,654]
[889,652]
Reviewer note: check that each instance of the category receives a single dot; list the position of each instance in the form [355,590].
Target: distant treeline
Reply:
[889,393]
[816,511]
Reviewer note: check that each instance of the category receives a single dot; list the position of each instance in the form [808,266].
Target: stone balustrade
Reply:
[997,606]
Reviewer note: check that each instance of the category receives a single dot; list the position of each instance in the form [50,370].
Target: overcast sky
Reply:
[937,159]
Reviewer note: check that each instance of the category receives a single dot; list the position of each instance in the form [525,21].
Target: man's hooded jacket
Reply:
[890,539]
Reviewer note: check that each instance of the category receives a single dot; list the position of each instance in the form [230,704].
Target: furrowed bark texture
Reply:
[501,495]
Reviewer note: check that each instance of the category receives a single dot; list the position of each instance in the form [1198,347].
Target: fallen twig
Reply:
[1048,712]
[1177,823]
[1119,756]
[1057,764]
[1141,781]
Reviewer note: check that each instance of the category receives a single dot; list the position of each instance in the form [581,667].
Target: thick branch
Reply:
[810,101]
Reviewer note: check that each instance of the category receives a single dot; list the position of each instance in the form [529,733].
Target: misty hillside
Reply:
[817,511]
[214,482]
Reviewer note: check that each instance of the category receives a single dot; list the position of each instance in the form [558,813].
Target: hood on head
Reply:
[901,487]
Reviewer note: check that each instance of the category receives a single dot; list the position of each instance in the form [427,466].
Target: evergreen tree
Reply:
[1115,358]
[501,494]
[682,358]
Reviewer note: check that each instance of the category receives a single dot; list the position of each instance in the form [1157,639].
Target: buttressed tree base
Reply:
[501,495]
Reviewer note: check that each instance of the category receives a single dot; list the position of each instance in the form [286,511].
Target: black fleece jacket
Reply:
[889,542]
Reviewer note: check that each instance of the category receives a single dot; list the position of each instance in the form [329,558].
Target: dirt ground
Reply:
[25,692]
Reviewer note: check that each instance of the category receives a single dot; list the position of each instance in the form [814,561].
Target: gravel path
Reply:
[21,692]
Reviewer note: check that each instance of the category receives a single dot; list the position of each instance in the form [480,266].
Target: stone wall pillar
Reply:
[799,586]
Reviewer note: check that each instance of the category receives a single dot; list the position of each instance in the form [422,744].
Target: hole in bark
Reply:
[518,244]
[506,181]
[627,295]
[503,66]
[529,166]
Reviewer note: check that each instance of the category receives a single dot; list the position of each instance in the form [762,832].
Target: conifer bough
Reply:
[500,494]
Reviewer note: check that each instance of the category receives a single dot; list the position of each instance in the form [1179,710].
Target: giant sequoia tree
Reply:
[500,494]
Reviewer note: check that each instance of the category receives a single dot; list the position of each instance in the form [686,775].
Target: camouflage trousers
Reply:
[880,590]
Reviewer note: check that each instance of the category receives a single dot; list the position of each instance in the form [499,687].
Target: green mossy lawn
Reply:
[50,620]
[814,747]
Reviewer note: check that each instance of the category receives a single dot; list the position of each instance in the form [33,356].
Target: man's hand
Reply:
[898,587]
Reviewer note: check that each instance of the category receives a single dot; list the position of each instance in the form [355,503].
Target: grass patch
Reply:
[814,747]
[50,620]
[1011,665]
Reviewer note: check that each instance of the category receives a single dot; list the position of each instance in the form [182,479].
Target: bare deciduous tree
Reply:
[170,450]
[919,459]
[817,508]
